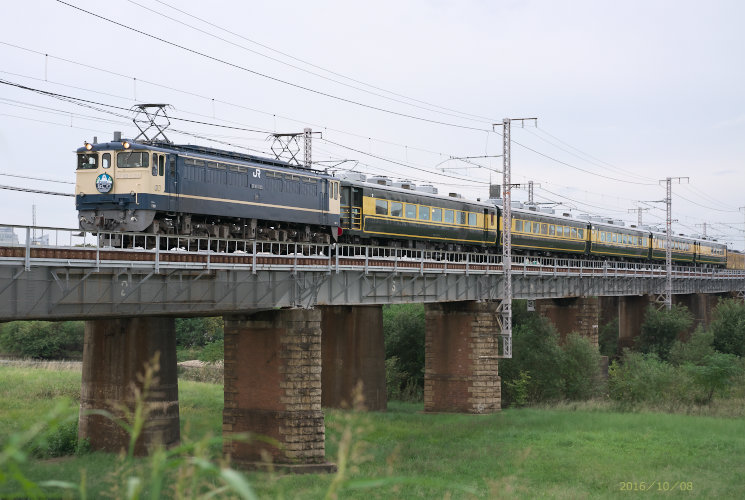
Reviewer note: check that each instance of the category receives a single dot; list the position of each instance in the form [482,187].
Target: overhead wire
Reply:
[459,115]
[486,119]
[266,76]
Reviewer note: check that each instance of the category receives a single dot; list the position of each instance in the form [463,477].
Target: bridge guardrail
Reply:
[51,246]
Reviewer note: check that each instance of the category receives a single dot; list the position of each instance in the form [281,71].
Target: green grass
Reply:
[572,451]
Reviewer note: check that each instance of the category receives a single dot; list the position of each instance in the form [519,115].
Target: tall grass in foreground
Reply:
[567,450]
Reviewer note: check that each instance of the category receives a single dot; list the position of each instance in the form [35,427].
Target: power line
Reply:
[269,77]
[37,191]
[6,174]
[489,120]
[459,115]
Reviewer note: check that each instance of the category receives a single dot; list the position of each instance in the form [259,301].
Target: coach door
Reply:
[486,225]
[172,184]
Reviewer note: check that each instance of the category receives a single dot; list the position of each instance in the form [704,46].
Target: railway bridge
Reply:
[303,322]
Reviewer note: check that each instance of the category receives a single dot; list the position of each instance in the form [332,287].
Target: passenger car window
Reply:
[449,216]
[381,207]
[471,219]
[397,208]
[437,214]
[410,211]
[423,213]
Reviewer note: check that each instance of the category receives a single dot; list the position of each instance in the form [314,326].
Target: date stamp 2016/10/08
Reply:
[656,486]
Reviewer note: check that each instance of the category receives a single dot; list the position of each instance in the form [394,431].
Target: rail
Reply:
[50,246]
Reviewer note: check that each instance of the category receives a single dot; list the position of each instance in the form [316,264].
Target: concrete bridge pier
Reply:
[115,355]
[461,370]
[701,306]
[273,390]
[353,351]
[572,315]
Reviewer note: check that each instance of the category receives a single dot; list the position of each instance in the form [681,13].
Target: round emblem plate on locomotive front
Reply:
[104,183]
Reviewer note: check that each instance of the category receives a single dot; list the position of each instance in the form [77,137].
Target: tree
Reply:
[661,328]
[42,339]
[403,331]
[728,327]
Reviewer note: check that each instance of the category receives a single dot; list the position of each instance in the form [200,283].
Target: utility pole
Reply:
[505,307]
[639,210]
[742,209]
[703,228]
[668,243]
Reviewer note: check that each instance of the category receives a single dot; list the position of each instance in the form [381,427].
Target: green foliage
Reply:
[213,352]
[536,351]
[639,377]
[60,441]
[518,389]
[714,374]
[403,331]
[661,328]
[197,332]
[42,339]
[728,327]
[695,351]
[608,339]
[581,368]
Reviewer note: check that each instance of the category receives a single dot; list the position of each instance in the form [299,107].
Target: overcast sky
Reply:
[626,93]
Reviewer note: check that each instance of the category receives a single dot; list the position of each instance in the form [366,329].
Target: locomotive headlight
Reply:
[125,145]
[88,146]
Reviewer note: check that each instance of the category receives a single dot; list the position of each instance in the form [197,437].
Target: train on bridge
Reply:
[164,188]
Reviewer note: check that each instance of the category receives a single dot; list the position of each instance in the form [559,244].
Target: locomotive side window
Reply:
[106,160]
[423,213]
[437,214]
[161,165]
[87,161]
[397,208]
[132,159]
[381,207]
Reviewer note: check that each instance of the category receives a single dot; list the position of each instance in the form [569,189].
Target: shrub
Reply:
[694,351]
[638,378]
[42,339]
[661,328]
[197,332]
[728,327]
[213,352]
[61,441]
[713,374]
[581,368]
[608,339]
[535,351]
[518,389]
[403,331]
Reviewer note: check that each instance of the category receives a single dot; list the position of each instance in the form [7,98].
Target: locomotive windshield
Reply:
[133,159]
[87,161]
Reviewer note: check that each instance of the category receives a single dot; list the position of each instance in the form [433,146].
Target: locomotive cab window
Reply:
[87,161]
[133,159]
[106,160]
[381,207]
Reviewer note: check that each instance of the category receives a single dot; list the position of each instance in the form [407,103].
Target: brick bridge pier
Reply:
[283,366]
